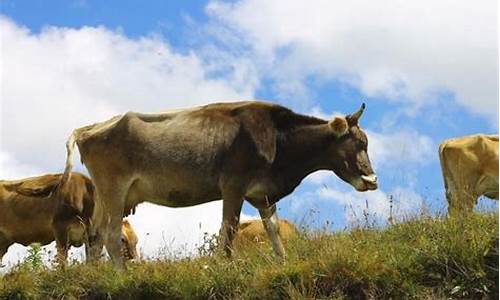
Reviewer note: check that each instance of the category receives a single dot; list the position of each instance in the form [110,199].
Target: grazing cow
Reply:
[232,151]
[34,210]
[253,231]
[129,241]
[470,170]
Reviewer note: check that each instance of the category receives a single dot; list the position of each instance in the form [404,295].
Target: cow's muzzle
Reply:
[370,181]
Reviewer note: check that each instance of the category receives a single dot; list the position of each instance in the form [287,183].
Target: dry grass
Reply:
[424,258]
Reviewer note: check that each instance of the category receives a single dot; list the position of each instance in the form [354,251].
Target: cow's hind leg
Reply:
[270,220]
[62,243]
[95,230]
[113,204]
[113,241]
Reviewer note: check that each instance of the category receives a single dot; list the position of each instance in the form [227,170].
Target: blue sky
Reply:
[426,72]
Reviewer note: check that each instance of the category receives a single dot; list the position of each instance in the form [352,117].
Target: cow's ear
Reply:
[258,124]
[339,126]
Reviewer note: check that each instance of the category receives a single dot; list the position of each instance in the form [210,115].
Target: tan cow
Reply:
[253,231]
[34,210]
[470,170]
[251,150]
[129,241]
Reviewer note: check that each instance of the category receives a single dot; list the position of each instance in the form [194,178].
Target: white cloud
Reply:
[163,232]
[404,51]
[376,203]
[12,168]
[62,78]
[394,157]
[318,112]
[176,231]
[400,148]
[321,177]
[396,153]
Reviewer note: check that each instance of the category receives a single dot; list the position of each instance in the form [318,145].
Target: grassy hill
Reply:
[422,258]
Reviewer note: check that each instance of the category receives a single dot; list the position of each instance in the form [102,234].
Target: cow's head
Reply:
[129,242]
[349,150]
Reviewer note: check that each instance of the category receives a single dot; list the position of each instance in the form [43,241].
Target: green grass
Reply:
[424,258]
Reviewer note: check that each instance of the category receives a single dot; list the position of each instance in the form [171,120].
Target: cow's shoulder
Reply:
[470,143]
[281,117]
[489,142]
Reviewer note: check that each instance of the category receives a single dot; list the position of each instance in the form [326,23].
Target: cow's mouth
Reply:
[370,181]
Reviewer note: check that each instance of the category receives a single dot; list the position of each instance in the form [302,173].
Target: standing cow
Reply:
[243,150]
[470,170]
[38,210]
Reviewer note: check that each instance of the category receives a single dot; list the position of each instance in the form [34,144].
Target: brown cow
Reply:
[253,231]
[129,241]
[235,151]
[470,170]
[34,210]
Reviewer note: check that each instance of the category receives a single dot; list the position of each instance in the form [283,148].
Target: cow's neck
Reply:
[301,153]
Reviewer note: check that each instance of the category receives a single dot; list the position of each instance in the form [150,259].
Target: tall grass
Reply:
[422,258]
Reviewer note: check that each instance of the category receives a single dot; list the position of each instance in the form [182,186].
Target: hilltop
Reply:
[422,258]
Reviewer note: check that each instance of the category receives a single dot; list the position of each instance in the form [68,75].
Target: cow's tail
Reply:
[70,145]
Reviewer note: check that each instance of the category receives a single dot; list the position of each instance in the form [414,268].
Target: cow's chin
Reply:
[362,186]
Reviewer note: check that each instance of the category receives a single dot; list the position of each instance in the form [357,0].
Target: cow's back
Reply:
[472,154]
[187,138]
[27,218]
[166,156]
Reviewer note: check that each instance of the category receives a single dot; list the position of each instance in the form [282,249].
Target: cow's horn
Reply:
[355,116]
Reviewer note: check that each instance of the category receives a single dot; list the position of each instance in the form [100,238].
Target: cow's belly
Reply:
[487,186]
[174,190]
[262,193]
[26,233]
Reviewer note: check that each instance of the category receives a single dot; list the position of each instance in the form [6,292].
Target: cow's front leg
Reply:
[231,209]
[94,244]
[270,220]
[4,245]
